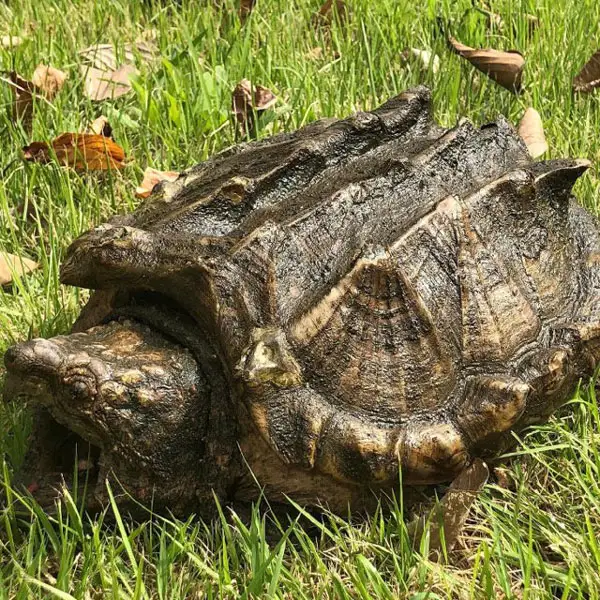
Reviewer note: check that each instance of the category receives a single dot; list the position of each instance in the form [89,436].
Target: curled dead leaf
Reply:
[505,68]
[450,515]
[424,58]
[107,85]
[532,23]
[315,53]
[23,92]
[494,20]
[589,77]
[48,80]
[247,100]
[105,76]
[151,178]
[104,56]
[531,131]
[329,10]
[10,41]
[504,478]
[80,151]
[46,83]
[11,264]
[246,7]
[100,126]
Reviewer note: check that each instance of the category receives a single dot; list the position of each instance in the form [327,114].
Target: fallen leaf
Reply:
[245,9]
[531,131]
[246,101]
[425,58]
[264,98]
[22,212]
[505,68]
[80,151]
[151,178]
[504,478]
[314,53]
[328,10]
[48,80]
[107,85]
[11,264]
[10,41]
[493,19]
[449,516]
[104,57]
[589,77]
[532,23]
[23,92]
[150,35]
[100,126]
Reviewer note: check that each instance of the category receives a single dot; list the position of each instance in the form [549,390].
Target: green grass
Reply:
[538,539]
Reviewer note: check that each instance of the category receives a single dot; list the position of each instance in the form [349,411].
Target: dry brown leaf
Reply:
[531,131]
[246,7]
[80,151]
[48,80]
[425,58]
[10,264]
[496,21]
[107,85]
[532,23]
[315,53]
[589,77]
[10,41]
[451,513]
[23,92]
[264,98]
[504,478]
[246,101]
[493,19]
[328,10]
[105,77]
[151,178]
[100,126]
[104,57]
[505,68]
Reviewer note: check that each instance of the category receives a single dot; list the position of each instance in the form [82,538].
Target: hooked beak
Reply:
[32,368]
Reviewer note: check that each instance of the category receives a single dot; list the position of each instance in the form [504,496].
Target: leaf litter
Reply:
[425,59]
[151,178]
[11,264]
[45,83]
[80,151]
[248,100]
[105,78]
[505,68]
[588,78]
[531,131]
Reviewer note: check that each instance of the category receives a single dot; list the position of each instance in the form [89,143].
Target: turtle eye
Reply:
[81,383]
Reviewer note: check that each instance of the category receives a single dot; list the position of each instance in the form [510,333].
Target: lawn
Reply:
[535,535]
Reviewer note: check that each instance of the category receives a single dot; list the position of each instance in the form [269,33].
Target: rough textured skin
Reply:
[315,312]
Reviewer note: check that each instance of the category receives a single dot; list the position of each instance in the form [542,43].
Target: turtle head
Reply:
[122,393]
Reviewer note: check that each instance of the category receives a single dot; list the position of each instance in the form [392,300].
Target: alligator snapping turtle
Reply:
[317,311]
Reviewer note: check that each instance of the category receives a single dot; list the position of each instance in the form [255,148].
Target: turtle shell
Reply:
[383,293]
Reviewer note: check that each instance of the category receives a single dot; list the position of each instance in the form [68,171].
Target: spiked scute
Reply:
[373,294]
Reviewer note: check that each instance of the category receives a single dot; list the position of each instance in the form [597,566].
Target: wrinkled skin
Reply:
[315,313]
[124,389]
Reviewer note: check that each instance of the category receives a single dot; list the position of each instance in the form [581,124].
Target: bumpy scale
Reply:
[316,312]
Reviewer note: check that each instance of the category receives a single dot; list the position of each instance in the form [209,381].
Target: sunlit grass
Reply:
[538,539]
